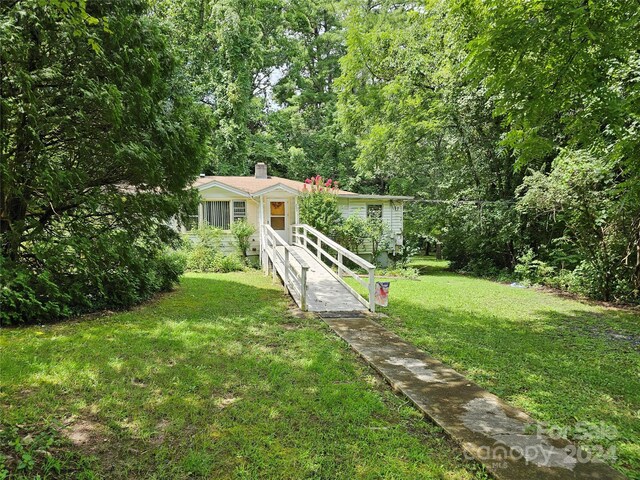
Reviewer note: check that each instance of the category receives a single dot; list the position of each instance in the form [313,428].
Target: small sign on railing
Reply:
[382,293]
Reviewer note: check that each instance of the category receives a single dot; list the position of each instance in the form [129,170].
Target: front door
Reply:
[278,217]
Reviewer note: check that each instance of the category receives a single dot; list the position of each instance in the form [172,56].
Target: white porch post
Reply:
[260,226]
[303,287]
[372,290]
[286,269]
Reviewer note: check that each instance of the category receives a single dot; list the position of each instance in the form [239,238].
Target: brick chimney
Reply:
[261,170]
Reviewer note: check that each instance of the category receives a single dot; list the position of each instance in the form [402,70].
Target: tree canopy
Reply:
[485,109]
[514,125]
[99,141]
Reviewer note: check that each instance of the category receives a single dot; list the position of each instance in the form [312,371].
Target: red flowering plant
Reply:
[318,183]
[319,205]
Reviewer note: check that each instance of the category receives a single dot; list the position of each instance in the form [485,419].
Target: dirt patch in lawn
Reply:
[85,434]
[161,430]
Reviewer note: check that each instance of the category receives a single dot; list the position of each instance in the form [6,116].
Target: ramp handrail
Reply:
[294,279]
[301,235]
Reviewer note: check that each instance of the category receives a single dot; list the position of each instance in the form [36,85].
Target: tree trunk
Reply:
[16,189]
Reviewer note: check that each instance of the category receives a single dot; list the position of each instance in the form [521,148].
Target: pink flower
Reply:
[328,183]
[307,181]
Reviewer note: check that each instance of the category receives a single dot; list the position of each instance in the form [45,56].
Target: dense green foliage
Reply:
[318,206]
[353,233]
[516,124]
[98,142]
[242,232]
[266,71]
[201,251]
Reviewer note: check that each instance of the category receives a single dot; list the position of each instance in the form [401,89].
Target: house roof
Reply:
[253,186]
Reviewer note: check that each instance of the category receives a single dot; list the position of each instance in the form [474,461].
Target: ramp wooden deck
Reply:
[305,268]
[325,293]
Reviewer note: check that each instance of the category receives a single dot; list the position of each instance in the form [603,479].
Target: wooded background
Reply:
[514,124]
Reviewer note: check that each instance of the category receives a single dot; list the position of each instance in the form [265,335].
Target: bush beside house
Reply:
[319,208]
[242,231]
[202,250]
[318,205]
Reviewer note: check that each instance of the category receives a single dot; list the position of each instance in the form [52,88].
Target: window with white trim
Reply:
[239,210]
[374,211]
[217,214]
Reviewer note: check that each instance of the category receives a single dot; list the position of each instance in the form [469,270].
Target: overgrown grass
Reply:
[215,380]
[565,362]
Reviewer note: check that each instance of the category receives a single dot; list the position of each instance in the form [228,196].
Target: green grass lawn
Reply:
[565,362]
[217,380]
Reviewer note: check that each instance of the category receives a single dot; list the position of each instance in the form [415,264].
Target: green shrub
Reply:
[533,271]
[205,236]
[242,231]
[400,272]
[203,253]
[106,273]
[353,233]
[378,234]
[28,298]
[199,248]
[228,263]
[402,255]
[200,258]
[169,266]
[562,280]
[318,206]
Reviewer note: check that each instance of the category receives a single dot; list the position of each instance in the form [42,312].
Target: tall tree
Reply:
[266,70]
[230,50]
[564,76]
[423,129]
[304,126]
[99,142]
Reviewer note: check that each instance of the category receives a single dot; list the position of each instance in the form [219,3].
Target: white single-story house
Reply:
[261,199]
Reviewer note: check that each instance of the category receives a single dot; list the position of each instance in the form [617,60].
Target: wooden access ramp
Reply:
[312,268]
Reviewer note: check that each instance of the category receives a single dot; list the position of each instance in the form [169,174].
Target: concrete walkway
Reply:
[498,435]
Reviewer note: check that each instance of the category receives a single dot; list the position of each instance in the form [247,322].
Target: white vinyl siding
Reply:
[217,214]
[235,207]
[392,216]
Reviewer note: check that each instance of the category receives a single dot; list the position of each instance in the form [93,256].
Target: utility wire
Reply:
[461,202]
